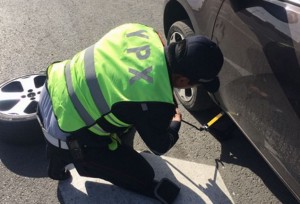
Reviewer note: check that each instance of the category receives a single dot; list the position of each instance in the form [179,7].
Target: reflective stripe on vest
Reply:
[91,79]
[98,130]
[85,116]
[96,93]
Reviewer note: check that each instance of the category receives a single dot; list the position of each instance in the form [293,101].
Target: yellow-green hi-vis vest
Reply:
[127,64]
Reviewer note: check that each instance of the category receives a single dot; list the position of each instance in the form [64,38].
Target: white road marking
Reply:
[199,183]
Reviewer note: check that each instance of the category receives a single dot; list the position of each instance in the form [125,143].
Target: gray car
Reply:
[260,79]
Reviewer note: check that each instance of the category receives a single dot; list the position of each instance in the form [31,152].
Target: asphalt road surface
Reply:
[35,33]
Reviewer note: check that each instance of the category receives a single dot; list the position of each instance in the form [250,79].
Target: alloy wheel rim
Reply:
[21,95]
[184,94]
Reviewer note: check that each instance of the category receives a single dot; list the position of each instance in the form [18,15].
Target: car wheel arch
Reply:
[177,11]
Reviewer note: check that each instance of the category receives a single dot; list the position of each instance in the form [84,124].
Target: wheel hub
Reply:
[31,94]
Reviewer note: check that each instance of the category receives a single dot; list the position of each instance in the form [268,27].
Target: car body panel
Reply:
[260,78]
[260,86]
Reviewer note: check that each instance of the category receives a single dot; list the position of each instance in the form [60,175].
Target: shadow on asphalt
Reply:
[86,190]
[24,160]
[236,149]
[210,189]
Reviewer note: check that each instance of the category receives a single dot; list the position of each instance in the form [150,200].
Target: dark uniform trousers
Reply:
[123,167]
[91,157]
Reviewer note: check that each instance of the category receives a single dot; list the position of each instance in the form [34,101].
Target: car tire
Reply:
[197,98]
[18,106]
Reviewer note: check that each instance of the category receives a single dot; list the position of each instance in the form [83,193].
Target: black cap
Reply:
[198,59]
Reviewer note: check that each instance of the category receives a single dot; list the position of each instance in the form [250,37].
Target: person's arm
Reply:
[162,141]
[175,123]
[157,123]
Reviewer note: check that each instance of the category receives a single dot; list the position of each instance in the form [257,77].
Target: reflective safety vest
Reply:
[127,64]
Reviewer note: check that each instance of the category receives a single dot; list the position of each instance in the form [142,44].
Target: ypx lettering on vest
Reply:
[142,53]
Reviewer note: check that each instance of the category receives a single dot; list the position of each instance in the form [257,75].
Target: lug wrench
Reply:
[207,125]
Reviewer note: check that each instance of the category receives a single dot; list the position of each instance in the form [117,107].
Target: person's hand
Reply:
[177,116]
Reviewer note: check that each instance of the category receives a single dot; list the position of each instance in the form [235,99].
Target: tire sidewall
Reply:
[200,99]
